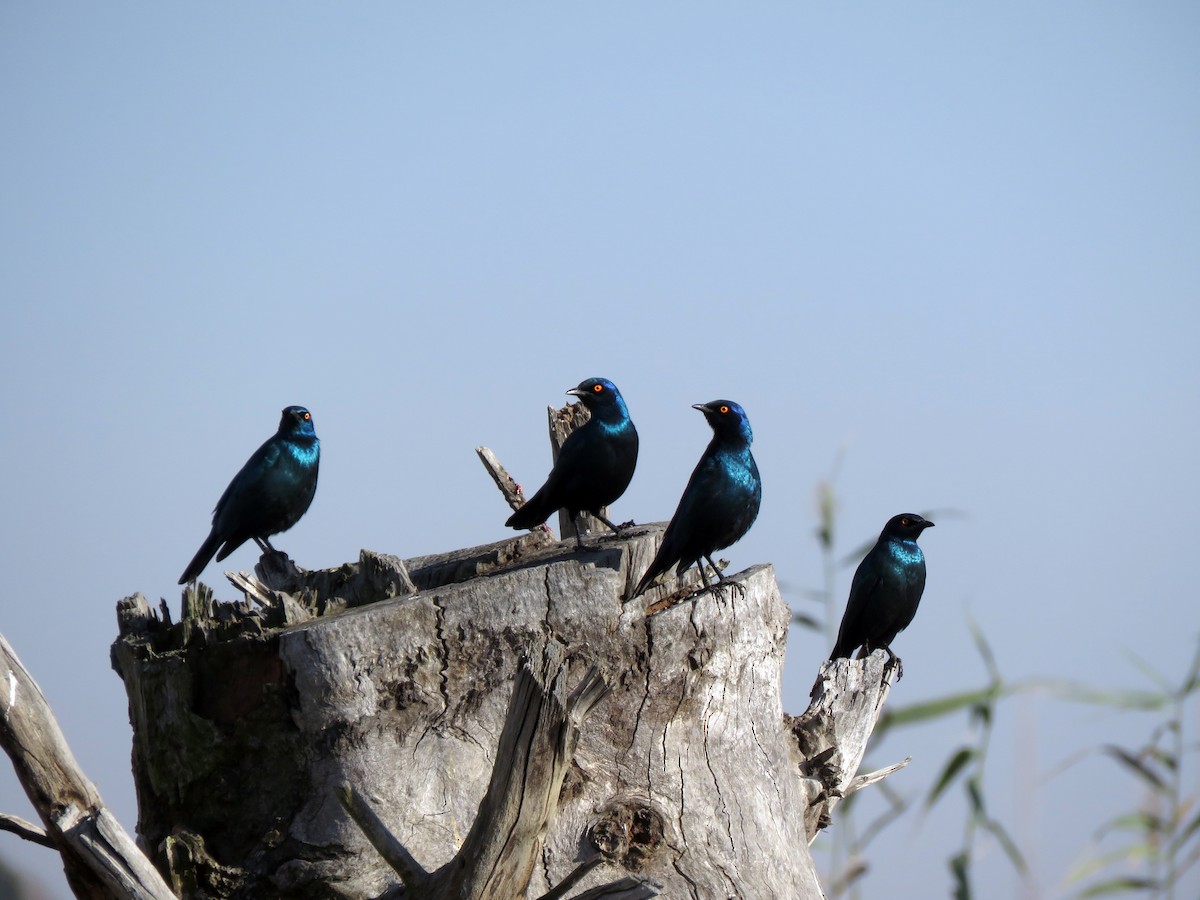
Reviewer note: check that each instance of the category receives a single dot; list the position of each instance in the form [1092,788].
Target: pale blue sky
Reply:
[957,244]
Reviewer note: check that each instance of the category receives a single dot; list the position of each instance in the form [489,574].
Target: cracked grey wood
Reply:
[533,756]
[833,732]
[513,492]
[689,775]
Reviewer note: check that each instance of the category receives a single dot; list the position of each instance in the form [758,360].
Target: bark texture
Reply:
[386,688]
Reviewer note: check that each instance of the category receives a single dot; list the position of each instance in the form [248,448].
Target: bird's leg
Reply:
[615,529]
[265,545]
[893,661]
[722,581]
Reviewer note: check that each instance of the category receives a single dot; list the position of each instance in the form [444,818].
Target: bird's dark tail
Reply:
[532,514]
[656,569]
[842,648]
[202,557]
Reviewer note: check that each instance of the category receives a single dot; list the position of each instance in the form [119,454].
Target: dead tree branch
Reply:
[99,857]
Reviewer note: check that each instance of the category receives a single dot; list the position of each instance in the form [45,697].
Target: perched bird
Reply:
[721,499]
[595,463]
[269,495]
[886,589]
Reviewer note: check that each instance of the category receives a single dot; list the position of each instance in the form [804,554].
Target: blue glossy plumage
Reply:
[595,463]
[886,589]
[721,500]
[268,495]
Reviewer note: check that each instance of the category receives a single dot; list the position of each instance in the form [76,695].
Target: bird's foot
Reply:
[723,584]
[615,529]
[276,570]
[893,662]
[735,588]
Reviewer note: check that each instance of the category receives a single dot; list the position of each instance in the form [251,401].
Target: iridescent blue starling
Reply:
[595,463]
[269,495]
[720,502]
[886,589]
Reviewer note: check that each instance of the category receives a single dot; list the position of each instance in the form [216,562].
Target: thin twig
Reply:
[631,887]
[862,781]
[394,853]
[560,889]
[508,487]
[27,830]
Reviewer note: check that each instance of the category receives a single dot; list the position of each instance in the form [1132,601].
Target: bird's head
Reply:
[727,419]
[599,394]
[296,420]
[906,526]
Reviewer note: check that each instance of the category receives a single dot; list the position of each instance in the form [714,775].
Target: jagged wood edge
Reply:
[505,482]
[100,859]
[561,422]
[832,734]
[862,781]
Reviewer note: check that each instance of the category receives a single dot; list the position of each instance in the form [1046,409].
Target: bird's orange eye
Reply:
[599,389]
[307,416]
[724,409]
[904,521]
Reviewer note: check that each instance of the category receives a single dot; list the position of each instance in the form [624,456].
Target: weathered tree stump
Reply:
[258,724]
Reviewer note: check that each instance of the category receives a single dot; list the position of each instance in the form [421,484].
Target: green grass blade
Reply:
[1120,886]
[1139,766]
[1010,847]
[1185,834]
[960,870]
[956,764]
[1073,692]
[932,709]
[985,651]
[1138,822]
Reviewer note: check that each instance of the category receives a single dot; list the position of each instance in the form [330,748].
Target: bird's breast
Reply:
[305,454]
[906,553]
[615,428]
[741,470]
